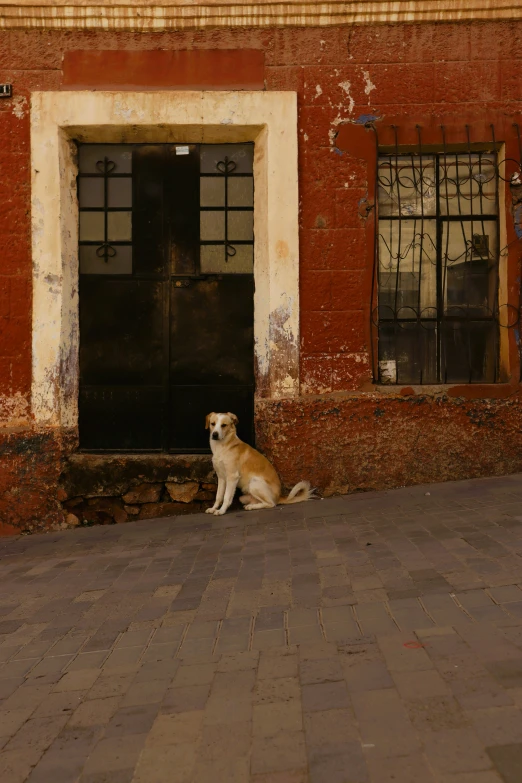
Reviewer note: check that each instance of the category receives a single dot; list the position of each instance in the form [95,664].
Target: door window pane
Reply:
[118,264]
[212,225]
[119,226]
[242,155]
[240,191]
[91,192]
[212,191]
[241,226]
[91,158]
[92,226]
[120,192]
[214,261]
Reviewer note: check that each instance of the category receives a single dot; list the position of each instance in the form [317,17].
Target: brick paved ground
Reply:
[373,638]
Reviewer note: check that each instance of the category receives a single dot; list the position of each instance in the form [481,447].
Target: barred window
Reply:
[438,267]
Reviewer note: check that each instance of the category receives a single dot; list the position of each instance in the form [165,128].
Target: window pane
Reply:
[408,352]
[469,350]
[242,155]
[91,192]
[467,184]
[120,192]
[469,267]
[212,225]
[213,260]
[119,264]
[92,226]
[407,268]
[118,155]
[241,191]
[241,226]
[407,185]
[212,191]
[119,226]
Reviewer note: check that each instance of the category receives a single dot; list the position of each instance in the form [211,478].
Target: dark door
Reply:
[166,294]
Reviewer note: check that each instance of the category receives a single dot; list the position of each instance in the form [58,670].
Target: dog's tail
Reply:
[301,492]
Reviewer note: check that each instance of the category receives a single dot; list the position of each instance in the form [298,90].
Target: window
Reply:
[438,267]
[166,293]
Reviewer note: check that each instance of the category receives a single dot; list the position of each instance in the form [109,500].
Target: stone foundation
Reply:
[113,489]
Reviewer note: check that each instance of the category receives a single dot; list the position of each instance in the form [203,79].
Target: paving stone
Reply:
[95,712]
[325,695]
[145,692]
[506,594]
[136,719]
[410,769]
[16,765]
[444,610]
[37,733]
[455,750]
[374,619]
[409,614]
[67,755]
[187,699]
[497,725]
[239,661]
[268,691]
[384,724]
[435,713]
[114,754]
[273,665]
[337,764]
[401,654]
[265,640]
[271,719]
[507,760]
[183,727]
[366,675]
[197,674]
[166,764]
[97,682]
[59,703]
[81,680]
[330,727]
[286,751]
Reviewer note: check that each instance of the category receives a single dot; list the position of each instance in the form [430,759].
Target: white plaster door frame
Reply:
[269,119]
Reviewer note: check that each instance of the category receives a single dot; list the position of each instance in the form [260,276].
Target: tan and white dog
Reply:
[237,463]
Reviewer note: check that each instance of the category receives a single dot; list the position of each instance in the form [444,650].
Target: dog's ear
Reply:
[234,418]
[207,420]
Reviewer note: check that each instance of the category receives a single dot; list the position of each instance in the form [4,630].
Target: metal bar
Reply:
[440,272]
[469,268]
[375,365]
[450,218]
[418,338]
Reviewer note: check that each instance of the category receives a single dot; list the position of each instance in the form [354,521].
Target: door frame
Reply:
[58,119]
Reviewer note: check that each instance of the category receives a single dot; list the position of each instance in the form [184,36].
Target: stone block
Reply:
[183,493]
[143,493]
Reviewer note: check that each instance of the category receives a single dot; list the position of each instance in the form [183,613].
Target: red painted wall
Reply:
[401,71]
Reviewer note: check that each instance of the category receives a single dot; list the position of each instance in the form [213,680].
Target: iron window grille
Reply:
[437,248]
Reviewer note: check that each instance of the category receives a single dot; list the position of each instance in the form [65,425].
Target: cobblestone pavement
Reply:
[376,637]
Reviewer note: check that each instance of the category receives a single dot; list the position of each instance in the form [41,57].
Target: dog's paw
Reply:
[210,511]
[219,512]
[249,507]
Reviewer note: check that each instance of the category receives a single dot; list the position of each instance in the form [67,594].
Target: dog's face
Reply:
[221,425]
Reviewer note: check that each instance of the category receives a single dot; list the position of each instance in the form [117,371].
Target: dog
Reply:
[237,463]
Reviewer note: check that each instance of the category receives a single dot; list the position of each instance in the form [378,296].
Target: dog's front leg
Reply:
[229,495]
[220,494]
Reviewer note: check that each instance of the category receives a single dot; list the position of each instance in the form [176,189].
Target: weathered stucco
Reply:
[330,423]
[267,118]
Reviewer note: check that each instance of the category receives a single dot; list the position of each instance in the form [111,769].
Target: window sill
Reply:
[469,391]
